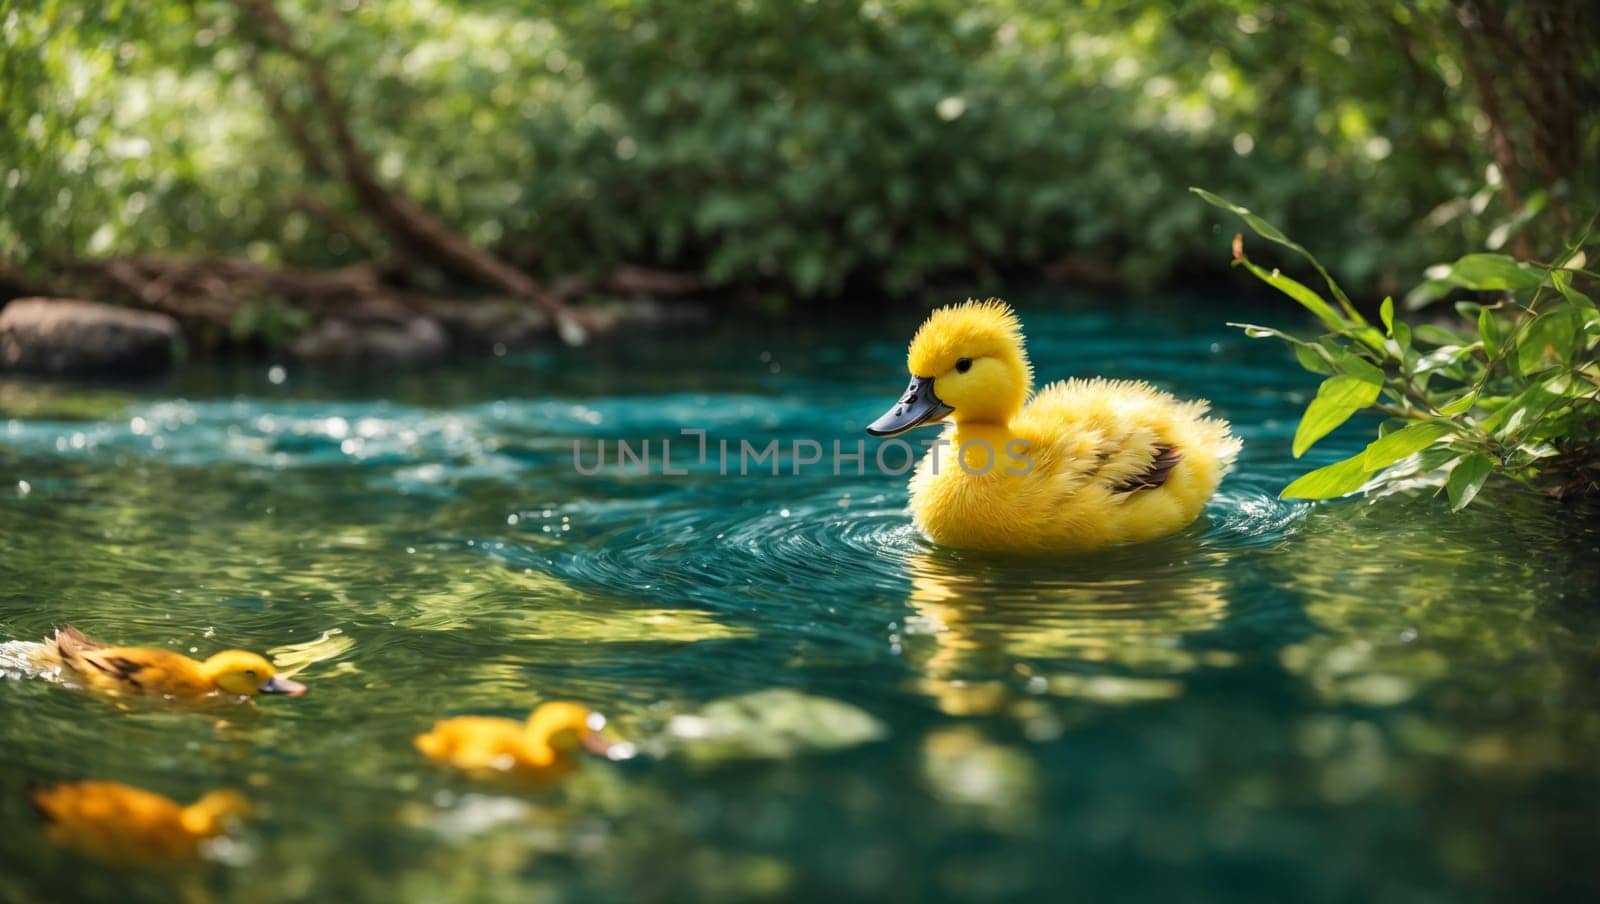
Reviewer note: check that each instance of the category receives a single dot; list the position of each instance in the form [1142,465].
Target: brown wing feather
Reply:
[156,671]
[1167,458]
[70,638]
[119,668]
[70,645]
[149,671]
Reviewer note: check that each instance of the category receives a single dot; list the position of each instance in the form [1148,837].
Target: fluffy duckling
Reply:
[1085,463]
[129,826]
[157,672]
[544,748]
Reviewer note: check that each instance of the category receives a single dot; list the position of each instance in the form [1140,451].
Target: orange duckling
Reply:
[152,671]
[543,748]
[128,826]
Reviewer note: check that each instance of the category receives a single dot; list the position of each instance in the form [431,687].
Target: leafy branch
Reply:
[1508,387]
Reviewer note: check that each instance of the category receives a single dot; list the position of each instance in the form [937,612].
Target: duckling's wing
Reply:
[143,670]
[106,664]
[1167,458]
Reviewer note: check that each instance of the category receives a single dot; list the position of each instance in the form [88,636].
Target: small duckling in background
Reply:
[127,826]
[1080,464]
[157,672]
[544,748]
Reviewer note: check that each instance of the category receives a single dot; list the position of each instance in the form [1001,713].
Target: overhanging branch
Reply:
[406,222]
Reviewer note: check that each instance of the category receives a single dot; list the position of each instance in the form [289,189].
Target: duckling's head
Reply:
[239,672]
[967,360]
[211,814]
[565,727]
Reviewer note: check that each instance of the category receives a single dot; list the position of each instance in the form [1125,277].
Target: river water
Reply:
[1370,699]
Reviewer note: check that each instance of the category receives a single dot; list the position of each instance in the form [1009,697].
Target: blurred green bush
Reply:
[806,147]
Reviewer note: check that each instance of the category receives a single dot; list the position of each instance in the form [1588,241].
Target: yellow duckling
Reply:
[544,748]
[1085,463]
[157,672]
[129,826]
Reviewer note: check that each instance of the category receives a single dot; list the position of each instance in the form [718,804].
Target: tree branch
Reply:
[407,223]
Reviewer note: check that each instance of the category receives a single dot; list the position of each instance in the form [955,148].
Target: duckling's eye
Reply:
[249,673]
[963,365]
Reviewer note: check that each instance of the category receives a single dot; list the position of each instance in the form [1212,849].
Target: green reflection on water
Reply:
[1358,700]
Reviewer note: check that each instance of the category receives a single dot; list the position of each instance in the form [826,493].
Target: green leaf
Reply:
[1437,335]
[1461,405]
[1528,416]
[1489,331]
[1562,280]
[1402,336]
[1271,233]
[1563,383]
[1409,440]
[1386,314]
[1427,293]
[1490,272]
[1444,358]
[1262,227]
[1311,359]
[1338,479]
[1554,331]
[1338,398]
[1507,416]
[1467,478]
[1360,368]
[1434,458]
[1308,299]
[1369,337]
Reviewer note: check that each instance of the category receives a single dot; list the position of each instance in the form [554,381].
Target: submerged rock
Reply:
[412,342]
[772,724]
[68,337]
[502,324]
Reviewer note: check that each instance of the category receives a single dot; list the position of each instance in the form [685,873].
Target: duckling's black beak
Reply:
[917,407]
[278,684]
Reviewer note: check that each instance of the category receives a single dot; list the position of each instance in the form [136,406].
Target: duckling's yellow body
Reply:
[1085,463]
[158,672]
[543,748]
[124,825]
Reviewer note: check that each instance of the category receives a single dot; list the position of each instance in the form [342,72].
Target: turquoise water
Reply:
[1362,700]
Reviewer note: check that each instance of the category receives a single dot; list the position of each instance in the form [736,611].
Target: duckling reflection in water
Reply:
[127,826]
[1084,463]
[1117,624]
[542,749]
[152,671]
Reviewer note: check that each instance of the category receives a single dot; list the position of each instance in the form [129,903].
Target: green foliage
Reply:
[1510,386]
[268,324]
[802,147]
